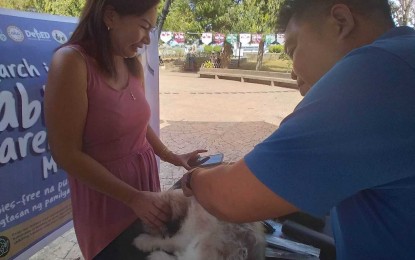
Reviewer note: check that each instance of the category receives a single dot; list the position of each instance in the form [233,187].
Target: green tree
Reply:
[65,7]
[57,7]
[403,12]
[225,16]
[197,16]
[261,18]
[21,5]
[180,18]
[213,15]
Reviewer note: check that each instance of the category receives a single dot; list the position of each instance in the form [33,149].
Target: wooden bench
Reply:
[266,77]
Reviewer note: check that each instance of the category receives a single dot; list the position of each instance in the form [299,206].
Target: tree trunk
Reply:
[163,16]
[260,55]
[406,6]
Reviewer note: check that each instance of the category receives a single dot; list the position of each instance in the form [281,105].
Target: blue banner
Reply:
[34,193]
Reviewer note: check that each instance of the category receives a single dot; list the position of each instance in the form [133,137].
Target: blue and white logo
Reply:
[37,35]
[15,33]
[4,246]
[59,36]
[3,37]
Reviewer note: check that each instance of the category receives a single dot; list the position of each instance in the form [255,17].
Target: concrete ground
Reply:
[195,113]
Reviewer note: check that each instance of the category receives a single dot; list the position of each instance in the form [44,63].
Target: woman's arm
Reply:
[66,107]
[159,148]
[168,156]
[232,193]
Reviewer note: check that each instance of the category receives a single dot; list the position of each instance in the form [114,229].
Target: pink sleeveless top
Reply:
[115,136]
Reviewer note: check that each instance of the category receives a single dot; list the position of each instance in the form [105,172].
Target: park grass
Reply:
[268,65]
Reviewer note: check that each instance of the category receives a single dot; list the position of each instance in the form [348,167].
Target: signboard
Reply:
[35,205]
[256,38]
[219,38]
[270,39]
[245,39]
[35,202]
[281,38]
[232,38]
[166,36]
[206,38]
[179,37]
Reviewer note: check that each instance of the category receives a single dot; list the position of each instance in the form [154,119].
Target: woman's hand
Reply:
[185,183]
[184,159]
[150,209]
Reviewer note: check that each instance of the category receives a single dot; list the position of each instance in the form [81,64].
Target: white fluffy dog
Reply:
[201,236]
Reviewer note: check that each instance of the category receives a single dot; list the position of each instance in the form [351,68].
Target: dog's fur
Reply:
[201,236]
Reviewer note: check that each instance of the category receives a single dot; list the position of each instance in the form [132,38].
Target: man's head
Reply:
[320,32]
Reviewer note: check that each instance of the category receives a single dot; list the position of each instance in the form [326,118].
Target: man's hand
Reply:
[186,182]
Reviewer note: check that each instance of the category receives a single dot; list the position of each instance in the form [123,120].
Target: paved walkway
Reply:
[195,113]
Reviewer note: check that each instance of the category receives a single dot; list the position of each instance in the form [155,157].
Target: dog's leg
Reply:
[199,254]
[199,250]
[148,243]
[160,255]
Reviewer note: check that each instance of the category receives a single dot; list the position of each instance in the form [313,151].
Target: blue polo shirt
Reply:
[349,149]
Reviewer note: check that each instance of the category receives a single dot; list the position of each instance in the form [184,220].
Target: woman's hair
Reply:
[93,36]
[313,8]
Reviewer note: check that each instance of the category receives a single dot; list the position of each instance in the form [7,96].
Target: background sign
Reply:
[179,37]
[166,36]
[245,39]
[270,39]
[256,38]
[281,38]
[219,38]
[232,38]
[206,38]
[34,196]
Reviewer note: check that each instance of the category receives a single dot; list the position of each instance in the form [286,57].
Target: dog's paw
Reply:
[145,243]
[160,255]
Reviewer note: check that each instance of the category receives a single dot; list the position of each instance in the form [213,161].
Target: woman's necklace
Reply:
[128,82]
[127,86]
[132,95]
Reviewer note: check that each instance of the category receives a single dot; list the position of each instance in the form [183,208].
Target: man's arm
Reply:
[232,193]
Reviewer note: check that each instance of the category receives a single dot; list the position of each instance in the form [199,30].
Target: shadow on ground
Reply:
[233,139]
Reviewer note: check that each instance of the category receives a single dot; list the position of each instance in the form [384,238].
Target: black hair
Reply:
[305,8]
[92,33]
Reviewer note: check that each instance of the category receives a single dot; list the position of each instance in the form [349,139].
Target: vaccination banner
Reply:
[34,195]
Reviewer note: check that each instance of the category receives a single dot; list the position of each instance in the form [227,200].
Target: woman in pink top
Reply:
[97,119]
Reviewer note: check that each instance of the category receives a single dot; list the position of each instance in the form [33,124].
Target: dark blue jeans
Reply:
[121,248]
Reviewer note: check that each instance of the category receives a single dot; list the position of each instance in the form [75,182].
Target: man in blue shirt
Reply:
[349,146]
